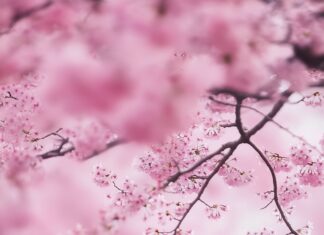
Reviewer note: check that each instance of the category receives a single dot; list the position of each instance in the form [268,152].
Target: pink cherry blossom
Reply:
[279,163]
[102,177]
[290,191]
[314,100]
[166,106]
[311,174]
[214,212]
[301,155]
[235,177]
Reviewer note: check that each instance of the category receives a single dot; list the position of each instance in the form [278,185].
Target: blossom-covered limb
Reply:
[275,188]
[203,188]
[279,125]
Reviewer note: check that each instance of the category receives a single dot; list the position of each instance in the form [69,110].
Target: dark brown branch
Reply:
[319,84]
[108,146]
[60,151]
[10,96]
[176,176]
[203,188]
[275,188]
[221,102]
[272,120]
[276,108]
[228,125]
[238,120]
[194,177]
[308,57]
[238,94]
[232,146]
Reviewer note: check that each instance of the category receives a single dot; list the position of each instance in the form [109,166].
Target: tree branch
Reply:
[275,188]
[238,121]
[238,94]
[276,108]
[272,120]
[10,96]
[245,138]
[108,146]
[59,151]
[176,176]
[203,188]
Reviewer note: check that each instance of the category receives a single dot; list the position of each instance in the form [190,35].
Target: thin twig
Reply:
[118,188]
[205,203]
[55,133]
[268,204]
[10,96]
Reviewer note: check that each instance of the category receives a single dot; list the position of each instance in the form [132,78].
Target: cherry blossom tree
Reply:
[139,117]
